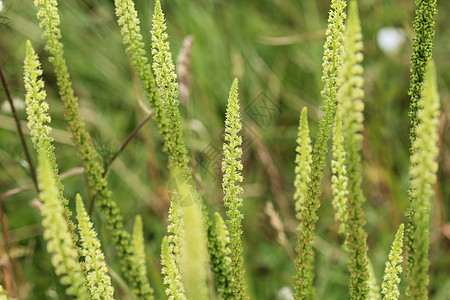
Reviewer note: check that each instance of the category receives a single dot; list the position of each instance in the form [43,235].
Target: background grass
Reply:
[232,39]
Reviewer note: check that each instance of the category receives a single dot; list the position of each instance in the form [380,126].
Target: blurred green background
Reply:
[275,49]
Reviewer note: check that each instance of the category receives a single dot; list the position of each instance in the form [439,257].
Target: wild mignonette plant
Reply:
[49,20]
[422,172]
[304,277]
[232,176]
[393,268]
[203,258]
[350,106]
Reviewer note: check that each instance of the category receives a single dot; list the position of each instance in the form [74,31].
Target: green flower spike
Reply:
[424,26]
[350,98]
[49,20]
[59,243]
[38,116]
[422,172]
[166,80]
[171,273]
[128,20]
[98,280]
[339,178]
[138,260]
[389,287]
[171,250]
[219,250]
[303,163]
[304,277]
[231,168]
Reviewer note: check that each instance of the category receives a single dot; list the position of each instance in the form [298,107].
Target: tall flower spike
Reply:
[38,116]
[49,20]
[166,80]
[389,287]
[422,173]
[302,163]
[339,180]
[59,244]
[304,277]
[231,168]
[171,273]
[138,261]
[350,98]
[424,26]
[171,254]
[98,280]
[220,261]
[128,20]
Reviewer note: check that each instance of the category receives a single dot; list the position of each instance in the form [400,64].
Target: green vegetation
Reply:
[298,223]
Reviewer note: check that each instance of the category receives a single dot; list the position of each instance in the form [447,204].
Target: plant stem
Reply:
[19,130]
[124,145]
[127,141]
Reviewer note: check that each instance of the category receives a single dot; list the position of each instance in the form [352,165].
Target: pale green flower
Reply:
[302,163]
[171,273]
[231,168]
[350,99]
[218,243]
[98,280]
[339,180]
[304,276]
[422,172]
[166,81]
[138,261]
[49,20]
[56,232]
[389,287]
[38,117]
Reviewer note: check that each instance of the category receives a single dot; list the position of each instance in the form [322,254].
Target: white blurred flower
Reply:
[285,294]
[390,39]
[19,104]
[1,5]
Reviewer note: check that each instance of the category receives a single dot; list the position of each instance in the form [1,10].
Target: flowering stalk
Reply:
[302,163]
[304,277]
[49,20]
[56,233]
[231,168]
[422,173]
[38,116]
[98,280]
[171,251]
[128,20]
[339,179]
[138,260]
[389,287]
[350,98]
[218,246]
[166,81]
[424,26]
[171,273]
